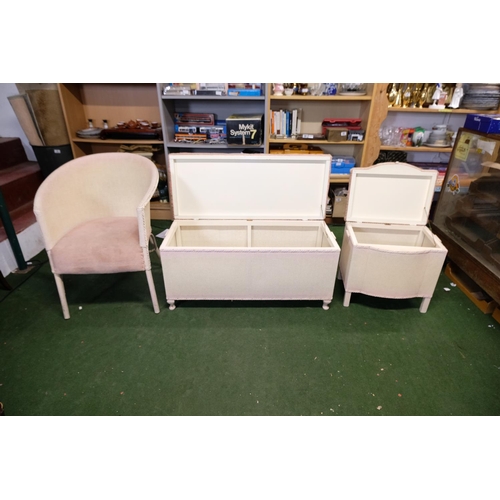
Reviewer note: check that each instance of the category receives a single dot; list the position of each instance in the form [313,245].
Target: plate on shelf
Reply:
[352,93]
[89,132]
[431,145]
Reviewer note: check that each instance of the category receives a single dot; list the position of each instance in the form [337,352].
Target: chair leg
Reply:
[347,299]
[152,238]
[152,291]
[62,295]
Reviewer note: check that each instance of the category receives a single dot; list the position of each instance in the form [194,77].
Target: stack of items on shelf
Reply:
[295,149]
[244,89]
[319,89]
[213,89]
[481,96]
[285,123]
[196,128]
[133,129]
[342,129]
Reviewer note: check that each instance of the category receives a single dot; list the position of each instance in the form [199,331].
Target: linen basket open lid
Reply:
[390,193]
[249,186]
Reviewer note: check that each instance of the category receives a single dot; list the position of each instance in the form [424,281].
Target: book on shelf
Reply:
[285,123]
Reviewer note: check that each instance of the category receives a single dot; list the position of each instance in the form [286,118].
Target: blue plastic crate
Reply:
[342,164]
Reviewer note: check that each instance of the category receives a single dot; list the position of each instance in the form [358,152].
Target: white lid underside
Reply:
[391,193]
[249,186]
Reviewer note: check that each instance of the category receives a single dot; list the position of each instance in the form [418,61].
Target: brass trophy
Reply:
[415,95]
[399,96]
[422,98]
[391,95]
[407,94]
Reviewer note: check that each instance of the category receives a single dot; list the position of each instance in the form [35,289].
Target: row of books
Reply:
[285,123]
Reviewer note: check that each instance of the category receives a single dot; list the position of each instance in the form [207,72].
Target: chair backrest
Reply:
[91,187]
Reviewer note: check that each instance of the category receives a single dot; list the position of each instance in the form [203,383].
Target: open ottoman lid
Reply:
[249,186]
[391,193]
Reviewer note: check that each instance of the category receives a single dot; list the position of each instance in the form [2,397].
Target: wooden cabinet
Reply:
[113,102]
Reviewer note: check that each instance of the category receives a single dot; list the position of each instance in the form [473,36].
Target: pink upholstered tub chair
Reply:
[94,217]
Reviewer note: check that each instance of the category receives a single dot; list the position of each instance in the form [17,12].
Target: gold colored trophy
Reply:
[399,97]
[406,98]
[415,94]
[391,95]
[422,98]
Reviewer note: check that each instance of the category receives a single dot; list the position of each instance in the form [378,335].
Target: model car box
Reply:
[387,250]
[336,134]
[249,227]
[489,124]
[244,129]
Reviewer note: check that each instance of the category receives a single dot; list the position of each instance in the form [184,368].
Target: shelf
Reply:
[320,98]
[116,141]
[445,110]
[185,145]
[315,141]
[214,97]
[161,211]
[420,149]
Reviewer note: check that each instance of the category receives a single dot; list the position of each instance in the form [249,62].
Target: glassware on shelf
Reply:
[392,136]
[352,89]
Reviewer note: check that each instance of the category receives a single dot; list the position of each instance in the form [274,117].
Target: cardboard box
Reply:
[336,134]
[339,203]
[489,124]
[244,129]
[301,149]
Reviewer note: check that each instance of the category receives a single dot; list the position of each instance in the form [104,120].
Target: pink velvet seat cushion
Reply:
[100,246]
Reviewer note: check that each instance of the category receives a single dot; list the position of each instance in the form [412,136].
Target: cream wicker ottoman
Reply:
[387,250]
[249,227]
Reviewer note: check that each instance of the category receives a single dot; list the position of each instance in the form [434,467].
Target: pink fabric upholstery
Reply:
[100,246]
